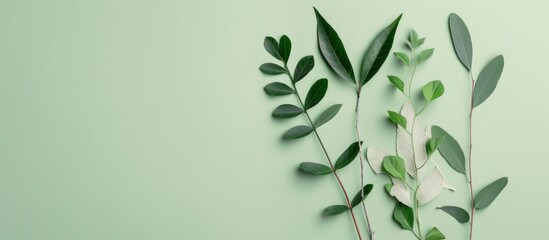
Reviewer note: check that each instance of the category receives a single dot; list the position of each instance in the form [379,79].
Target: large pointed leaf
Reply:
[404,215]
[271,69]
[359,197]
[458,213]
[297,132]
[348,155]
[332,49]
[315,168]
[394,166]
[304,66]
[488,194]
[278,89]
[327,115]
[334,210]
[434,234]
[461,40]
[487,80]
[378,51]
[271,45]
[284,48]
[287,111]
[431,186]
[316,93]
[449,149]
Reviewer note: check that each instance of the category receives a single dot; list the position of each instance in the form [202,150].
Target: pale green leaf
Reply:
[394,166]
[434,234]
[433,90]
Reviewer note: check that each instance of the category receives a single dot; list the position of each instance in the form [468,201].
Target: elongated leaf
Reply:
[404,215]
[334,210]
[304,66]
[487,80]
[397,118]
[433,90]
[450,149]
[359,197]
[424,55]
[432,145]
[414,38]
[278,89]
[403,57]
[397,82]
[316,93]
[411,148]
[315,168]
[378,51]
[434,234]
[287,111]
[461,40]
[348,155]
[271,45]
[332,49]
[271,69]
[297,132]
[284,48]
[394,166]
[488,194]
[458,213]
[327,115]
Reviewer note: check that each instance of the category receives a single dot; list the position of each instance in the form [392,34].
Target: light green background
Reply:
[147,119]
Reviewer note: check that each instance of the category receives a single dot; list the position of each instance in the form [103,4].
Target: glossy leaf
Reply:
[450,149]
[304,66]
[316,93]
[348,155]
[432,145]
[271,45]
[461,40]
[404,215]
[397,118]
[315,168]
[278,89]
[424,56]
[334,210]
[488,194]
[378,51]
[397,82]
[327,115]
[271,69]
[394,166]
[359,198]
[332,49]
[297,132]
[487,80]
[433,90]
[284,48]
[434,234]
[287,111]
[458,213]
[403,57]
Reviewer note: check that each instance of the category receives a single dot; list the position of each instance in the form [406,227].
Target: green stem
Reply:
[470,180]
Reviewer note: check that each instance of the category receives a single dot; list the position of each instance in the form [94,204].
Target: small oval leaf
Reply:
[461,40]
[334,210]
[404,215]
[348,155]
[271,69]
[287,111]
[434,234]
[304,66]
[449,149]
[327,115]
[397,82]
[316,93]
[458,213]
[403,57]
[487,80]
[297,132]
[433,90]
[284,48]
[315,168]
[432,145]
[278,89]
[424,55]
[394,166]
[271,45]
[488,194]
[359,197]
[397,118]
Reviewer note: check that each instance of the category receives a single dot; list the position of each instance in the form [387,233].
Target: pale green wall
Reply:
[147,119]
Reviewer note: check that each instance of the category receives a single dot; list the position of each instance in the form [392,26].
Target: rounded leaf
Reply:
[434,234]
[404,215]
[394,166]
[304,66]
[397,82]
[433,90]
[271,45]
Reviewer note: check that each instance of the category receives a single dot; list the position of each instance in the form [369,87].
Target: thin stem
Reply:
[470,161]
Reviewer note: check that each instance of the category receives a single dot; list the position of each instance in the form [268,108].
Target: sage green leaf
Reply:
[397,118]
[433,90]
[420,41]
[271,45]
[278,89]
[297,132]
[271,69]
[316,93]
[488,194]
[487,80]
[332,49]
[434,234]
[461,40]
[424,55]
[378,51]
[334,210]
[388,188]
[450,149]
[404,215]
[315,168]
[348,155]
[359,198]
[403,57]
[458,213]
[327,115]
[414,39]
[432,145]
[397,82]
[284,48]
[304,66]
[394,166]
[287,111]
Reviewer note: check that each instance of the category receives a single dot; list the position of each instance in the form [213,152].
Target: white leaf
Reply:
[431,186]
[401,192]
[406,146]
[375,158]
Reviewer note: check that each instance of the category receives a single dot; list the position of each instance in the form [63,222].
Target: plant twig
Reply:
[470,180]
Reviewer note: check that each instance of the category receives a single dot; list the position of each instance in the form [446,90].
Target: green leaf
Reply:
[278,89]
[271,69]
[397,82]
[316,93]
[420,41]
[394,166]
[271,45]
[287,111]
[397,118]
[404,215]
[487,80]
[403,57]
[285,48]
[424,55]
[332,49]
[315,168]
[433,90]
[359,198]
[488,194]
[348,155]
[458,213]
[304,66]
[434,234]
[327,115]
[461,40]
[378,51]
[414,39]
[388,188]
[450,149]
[334,210]
[432,145]
[297,132]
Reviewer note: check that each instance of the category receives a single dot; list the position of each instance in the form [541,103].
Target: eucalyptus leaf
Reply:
[316,93]
[424,55]
[461,40]
[458,213]
[271,69]
[271,45]
[348,155]
[404,215]
[334,210]
[359,198]
[297,132]
[287,111]
[488,194]
[432,145]
[434,234]
[304,66]
[278,89]
[394,166]
[403,57]
[284,48]
[397,82]
[433,90]
[327,115]
[315,168]
[450,149]
[487,80]
[397,118]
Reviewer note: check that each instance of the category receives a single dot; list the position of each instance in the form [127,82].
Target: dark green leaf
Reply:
[461,40]
[285,48]
[359,197]
[297,132]
[316,93]
[327,115]
[397,82]
[394,166]
[433,90]
[458,213]
[403,57]
[315,168]
[304,66]
[487,80]
[334,210]
[432,145]
[278,89]
[332,49]
[271,45]
[271,69]
[488,194]
[348,155]
[404,215]
[424,55]
[434,234]
[397,118]
[378,51]
[450,149]
[287,111]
